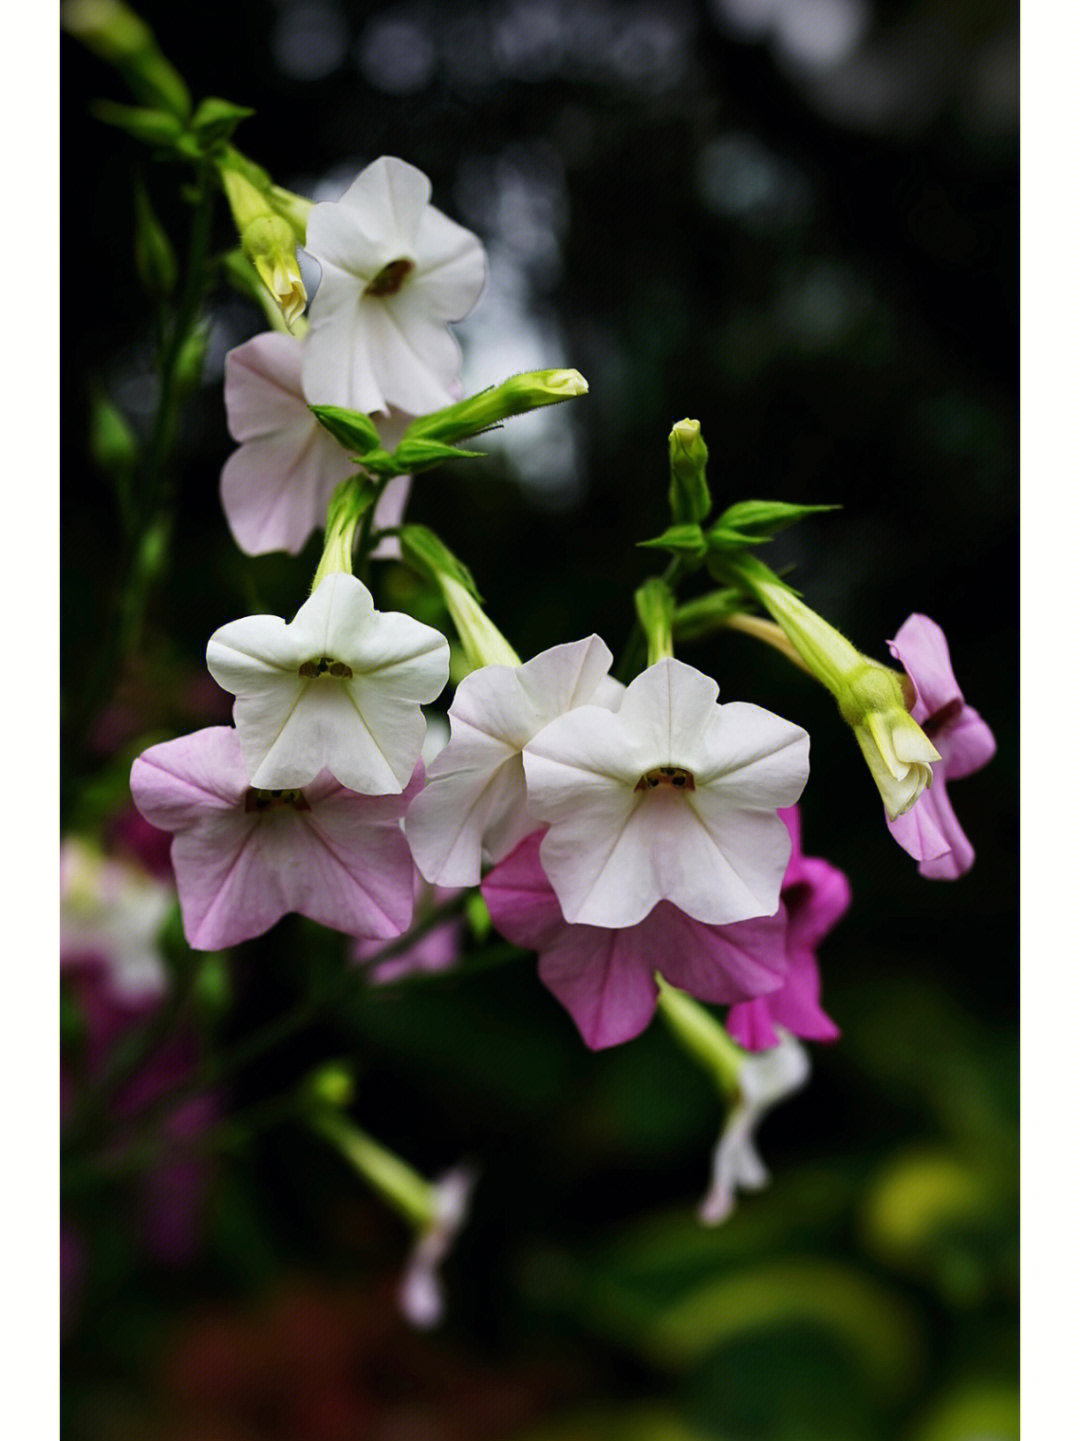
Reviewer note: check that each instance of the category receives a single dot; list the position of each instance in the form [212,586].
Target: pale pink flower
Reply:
[436,950]
[276,487]
[395,271]
[671,797]
[474,802]
[815,895]
[930,831]
[244,857]
[338,688]
[604,977]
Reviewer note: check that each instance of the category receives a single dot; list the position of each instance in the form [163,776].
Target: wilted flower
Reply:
[930,831]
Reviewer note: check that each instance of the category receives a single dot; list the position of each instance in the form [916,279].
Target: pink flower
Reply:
[276,487]
[604,977]
[930,831]
[815,896]
[244,857]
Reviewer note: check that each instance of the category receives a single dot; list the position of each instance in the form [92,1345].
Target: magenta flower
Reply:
[245,857]
[604,977]
[276,487]
[930,831]
[815,896]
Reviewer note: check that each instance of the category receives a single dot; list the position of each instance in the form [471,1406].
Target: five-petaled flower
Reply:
[395,271]
[475,798]
[245,856]
[930,831]
[670,797]
[338,688]
[604,977]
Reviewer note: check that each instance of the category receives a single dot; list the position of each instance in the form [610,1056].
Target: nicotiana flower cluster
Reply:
[643,837]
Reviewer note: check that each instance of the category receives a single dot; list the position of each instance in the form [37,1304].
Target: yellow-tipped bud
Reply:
[268,241]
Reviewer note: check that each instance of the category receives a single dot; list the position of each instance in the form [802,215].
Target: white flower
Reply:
[420,1295]
[340,688]
[672,797]
[475,798]
[394,271]
[765,1077]
[113,911]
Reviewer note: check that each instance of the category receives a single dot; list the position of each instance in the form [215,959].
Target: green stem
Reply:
[634,651]
[394,1179]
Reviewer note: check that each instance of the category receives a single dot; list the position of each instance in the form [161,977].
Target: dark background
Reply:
[797,223]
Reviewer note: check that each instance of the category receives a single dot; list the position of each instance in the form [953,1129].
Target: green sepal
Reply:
[654,602]
[417,454]
[685,540]
[488,408]
[215,119]
[425,552]
[742,569]
[760,520]
[350,428]
[113,447]
[702,615]
[152,127]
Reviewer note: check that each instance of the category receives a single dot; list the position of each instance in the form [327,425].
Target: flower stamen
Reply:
[676,776]
[390,278]
[326,665]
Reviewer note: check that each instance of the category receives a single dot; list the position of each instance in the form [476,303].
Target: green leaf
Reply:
[350,428]
[152,127]
[425,552]
[216,119]
[684,539]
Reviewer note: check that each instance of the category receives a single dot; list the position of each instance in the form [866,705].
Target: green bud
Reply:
[116,35]
[332,1085]
[113,447]
[154,257]
[516,396]
[477,916]
[685,539]
[293,208]
[152,127]
[189,362]
[688,495]
[655,607]
[213,989]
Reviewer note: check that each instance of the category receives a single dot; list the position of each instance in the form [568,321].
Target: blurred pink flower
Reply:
[245,857]
[437,950]
[930,831]
[604,977]
[815,895]
[276,487]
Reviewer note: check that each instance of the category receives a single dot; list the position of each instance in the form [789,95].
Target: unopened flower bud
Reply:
[118,36]
[689,493]
[269,242]
[515,396]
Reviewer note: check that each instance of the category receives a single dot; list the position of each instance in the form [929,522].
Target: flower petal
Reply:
[967,744]
[600,977]
[518,893]
[451,267]
[918,831]
[920,647]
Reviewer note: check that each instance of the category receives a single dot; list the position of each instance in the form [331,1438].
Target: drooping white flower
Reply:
[765,1078]
[338,688]
[276,487]
[474,800]
[420,1294]
[395,271]
[113,912]
[671,797]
